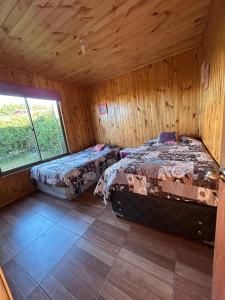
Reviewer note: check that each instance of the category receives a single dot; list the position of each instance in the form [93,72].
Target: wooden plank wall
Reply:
[161,96]
[77,125]
[212,100]
[212,127]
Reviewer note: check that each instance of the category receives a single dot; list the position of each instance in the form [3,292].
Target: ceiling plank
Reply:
[45,36]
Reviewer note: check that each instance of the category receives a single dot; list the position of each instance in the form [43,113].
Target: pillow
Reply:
[171,143]
[99,147]
[166,137]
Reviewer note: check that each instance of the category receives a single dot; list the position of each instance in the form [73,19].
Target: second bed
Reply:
[69,176]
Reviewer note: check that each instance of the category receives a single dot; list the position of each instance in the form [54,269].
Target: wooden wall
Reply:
[77,125]
[162,96]
[212,100]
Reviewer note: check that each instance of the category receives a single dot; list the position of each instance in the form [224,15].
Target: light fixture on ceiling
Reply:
[82,46]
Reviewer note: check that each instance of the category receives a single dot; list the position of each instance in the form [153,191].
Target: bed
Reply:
[69,176]
[165,186]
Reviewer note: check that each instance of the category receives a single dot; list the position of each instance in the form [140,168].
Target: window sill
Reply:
[27,167]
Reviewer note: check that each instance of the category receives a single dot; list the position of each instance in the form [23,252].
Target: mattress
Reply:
[177,172]
[77,170]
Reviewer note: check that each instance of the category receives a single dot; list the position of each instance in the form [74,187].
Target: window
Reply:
[31,131]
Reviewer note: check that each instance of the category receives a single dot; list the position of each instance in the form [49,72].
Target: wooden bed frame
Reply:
[189,219]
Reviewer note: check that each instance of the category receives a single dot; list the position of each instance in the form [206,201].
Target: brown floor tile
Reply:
[72,223]
[111,292]
[198,255]
[82,217]
[65,203]
[54,212]
[107,216]
[38,294]
[86,209]
[56,290]
[152,267]
[102,250]
[25,233]
[5,250]
[100,231]
[44,198]
[78,273]
[135,283]
[188,289]
[144,238]
[30,203]
[4,227]
[41,256]
[14,215]
[193,272]
[19,281]
[148,251]
[6,253]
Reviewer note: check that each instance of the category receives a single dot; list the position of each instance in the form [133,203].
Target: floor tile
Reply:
[100,231]
[102,250]
[78,273]
[44,198]
[111,292]
[107,216]
[6,253]
[188,289]
[14,215]
[41,256]
[38,294]
[22,235]
[149,250]
[152,267]
[30,203]
[20,282]
[82,217]
[88,210]
[4,227]
[54,212]
[135,283]
[193,273]
[144,238]
[201,256]
[56,290]
[72,223]
[5,250]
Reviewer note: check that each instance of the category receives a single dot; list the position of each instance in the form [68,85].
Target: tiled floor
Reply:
[54,249]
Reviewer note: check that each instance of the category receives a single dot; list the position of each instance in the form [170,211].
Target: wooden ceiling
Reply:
[86,41]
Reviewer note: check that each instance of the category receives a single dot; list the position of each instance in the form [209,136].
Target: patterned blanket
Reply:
[77,170]
[170,171]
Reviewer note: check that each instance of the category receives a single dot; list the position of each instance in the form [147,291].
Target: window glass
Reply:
[47,126]
[18,146]
[30,131]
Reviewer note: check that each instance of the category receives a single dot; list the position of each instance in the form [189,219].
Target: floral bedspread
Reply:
[77,170]
[170,171]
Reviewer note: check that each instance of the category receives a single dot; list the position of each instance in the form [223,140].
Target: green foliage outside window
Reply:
[17,137]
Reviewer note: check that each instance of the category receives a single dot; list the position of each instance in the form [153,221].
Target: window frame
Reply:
[28,166]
